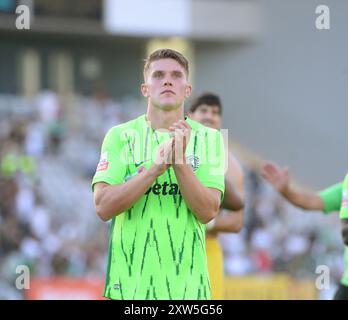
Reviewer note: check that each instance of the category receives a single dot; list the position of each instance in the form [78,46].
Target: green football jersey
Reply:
[333,202]
[344,204]
[157,247]
[331,197]
[344,215]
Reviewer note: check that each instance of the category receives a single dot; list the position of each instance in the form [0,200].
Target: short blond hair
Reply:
[166,54]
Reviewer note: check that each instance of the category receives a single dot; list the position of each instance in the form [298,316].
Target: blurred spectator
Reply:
[48,106]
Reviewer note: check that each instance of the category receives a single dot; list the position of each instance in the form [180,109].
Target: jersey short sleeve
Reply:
[331,197]
[344,204]
[211,170]
[112,165]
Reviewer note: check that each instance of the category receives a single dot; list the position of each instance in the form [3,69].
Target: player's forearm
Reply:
[303,199]
[198,198]
[232,199]
[231,222]
[115,199]
[345,231]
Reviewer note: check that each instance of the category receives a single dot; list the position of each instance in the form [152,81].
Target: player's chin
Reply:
[208,124]
[168,105]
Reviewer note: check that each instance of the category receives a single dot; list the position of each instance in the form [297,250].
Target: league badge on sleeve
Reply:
[103,162]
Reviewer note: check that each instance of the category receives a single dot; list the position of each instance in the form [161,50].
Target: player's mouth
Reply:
[168,92]
[207,122]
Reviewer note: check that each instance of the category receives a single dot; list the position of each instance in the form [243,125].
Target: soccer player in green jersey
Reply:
[160,179]
[344,220]
[331,199]
[344,210]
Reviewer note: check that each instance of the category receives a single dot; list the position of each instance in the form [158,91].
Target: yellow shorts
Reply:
[215,267]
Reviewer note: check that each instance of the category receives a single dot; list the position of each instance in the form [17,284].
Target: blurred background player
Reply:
[207,110]
[331,199]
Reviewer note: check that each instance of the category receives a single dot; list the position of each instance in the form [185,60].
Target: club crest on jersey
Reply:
[103,162]
[193,161]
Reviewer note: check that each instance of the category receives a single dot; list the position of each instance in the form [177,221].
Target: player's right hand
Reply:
[164,157]
[279,178]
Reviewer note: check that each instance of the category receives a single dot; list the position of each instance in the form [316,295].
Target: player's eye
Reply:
[158,75]
[177,75]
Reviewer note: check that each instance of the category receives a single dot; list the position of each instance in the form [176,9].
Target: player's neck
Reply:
[160,119]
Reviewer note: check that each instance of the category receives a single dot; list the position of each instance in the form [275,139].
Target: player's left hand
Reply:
[182,133]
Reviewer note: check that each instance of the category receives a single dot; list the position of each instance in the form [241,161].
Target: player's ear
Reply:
[188,90]
[144,90]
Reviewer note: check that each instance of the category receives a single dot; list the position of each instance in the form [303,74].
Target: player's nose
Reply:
[167,80]
[168,83]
